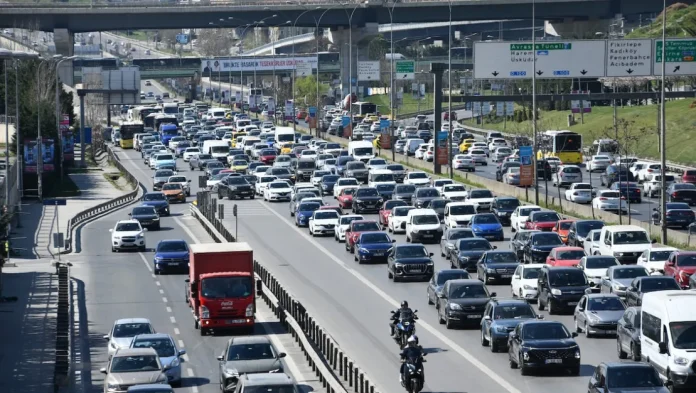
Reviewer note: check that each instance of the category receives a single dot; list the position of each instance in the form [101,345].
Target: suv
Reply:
[502,317]
[614,173]
[128,234]
[261,382]
[567,175]
[543,345]
[561,288]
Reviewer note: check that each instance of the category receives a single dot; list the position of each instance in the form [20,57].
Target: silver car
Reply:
[169,354]
[283,161]
[247,355]
[124,330]
[449,239]
[598,314]
[620,277]
[161,176]
[132,366]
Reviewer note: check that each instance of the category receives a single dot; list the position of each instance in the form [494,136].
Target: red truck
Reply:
[220,287]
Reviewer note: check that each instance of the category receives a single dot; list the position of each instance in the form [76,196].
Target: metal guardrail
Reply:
[63,365]
[306,331]
[174,3]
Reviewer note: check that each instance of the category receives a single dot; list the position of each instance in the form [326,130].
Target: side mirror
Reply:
[431,254]
[552,259]
[144,229]
[182,352]
[663,347]
[111,230]
[393,240]
[495,247]
[493,294]
[188,181]
[221,358]
[282,355]
[106,337]
[130,214]
[442,296]
[574,334]
[487,317]
[167,367]
[540,316]
[517,276]
[581,308]
[102,370]
[653,241]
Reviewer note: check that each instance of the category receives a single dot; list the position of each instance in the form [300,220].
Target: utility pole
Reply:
[534,109]
[663,130]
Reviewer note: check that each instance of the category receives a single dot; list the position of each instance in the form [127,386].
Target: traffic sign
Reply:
[383,124]
[627,58]
[368,71]
[312,111]
[55,202]
[680,54]
[504,108]
[303,69]
[562,59]
[405,70]
[182,39]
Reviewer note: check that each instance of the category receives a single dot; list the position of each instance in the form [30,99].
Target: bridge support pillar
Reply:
[64,40]
[341,39]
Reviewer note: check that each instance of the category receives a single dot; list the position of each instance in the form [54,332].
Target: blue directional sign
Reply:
[384,123]
[526,155]
[345,121]
[182,39]
[312,111]
[55,202]
[88,136]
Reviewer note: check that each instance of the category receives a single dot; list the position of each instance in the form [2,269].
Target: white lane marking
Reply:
[161,291]
[190,372]
[181,343]
[185,228]
[147,265]
[164,299]
[172,319]
[294,370]
[153,276]
[169,309]
[176,331]
[158,283]
[471,358]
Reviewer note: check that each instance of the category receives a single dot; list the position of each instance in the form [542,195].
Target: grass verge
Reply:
[66,188]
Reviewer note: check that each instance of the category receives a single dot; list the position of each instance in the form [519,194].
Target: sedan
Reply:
[247,355]
[598,314]
[450,238]
[643,285]
[124,330]
[372,246]
[497,266]
[462,303]
[277,190]
[478,157]
[434,288]
[609,200]
[167,351]
[619,278]
[133,366]
[598,163]
[628,334]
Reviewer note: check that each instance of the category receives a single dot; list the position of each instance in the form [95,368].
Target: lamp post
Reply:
[240,48]
[316,126]
[39,141]
[256,25]
[294,65]
[534,108]
[448,149]
[350,54]
[391,76]
[58,114]
[663,130]
[275,89]
[421,55]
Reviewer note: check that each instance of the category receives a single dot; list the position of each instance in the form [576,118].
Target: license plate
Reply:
[173,263]
[687,199]
[490,237]
[379,254]
[473,316]
[427,235]
[230,321]
[572,303]
[554,361]
[506,275]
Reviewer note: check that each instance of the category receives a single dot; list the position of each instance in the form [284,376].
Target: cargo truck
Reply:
[220,287]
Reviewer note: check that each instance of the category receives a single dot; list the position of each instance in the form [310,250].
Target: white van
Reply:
[624,242]
[282,136]
[668,320]
[380,176]
[423,225]
[216,114]
[218,149]
[412,145]
[361,150]
[459,214]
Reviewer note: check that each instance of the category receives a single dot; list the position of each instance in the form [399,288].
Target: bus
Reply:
[361,109]
[164,119]
[127,130]
[564,145]
[170,108]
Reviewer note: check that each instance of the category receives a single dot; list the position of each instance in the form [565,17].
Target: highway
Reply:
[353,302]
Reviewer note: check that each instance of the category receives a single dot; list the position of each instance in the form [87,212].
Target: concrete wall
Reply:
[3,140]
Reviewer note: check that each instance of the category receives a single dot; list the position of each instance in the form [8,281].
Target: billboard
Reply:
[244,64]
[442,148]
[368,71]
[48,151]
[526,166]
[31,155]
[67,144]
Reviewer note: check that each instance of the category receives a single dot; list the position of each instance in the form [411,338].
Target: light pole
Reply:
[316,114]
[534,109]
[448,149]
[392,118]
[58,114]
[350,55]
[421,55]
[275,89]
[240,47]
[663,130]
[256,25]
[39,141]
[294,65]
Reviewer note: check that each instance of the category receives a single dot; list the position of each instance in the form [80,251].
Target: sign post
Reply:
[680,55]
[58,236]
[368,71]
[405,70]
[526,166]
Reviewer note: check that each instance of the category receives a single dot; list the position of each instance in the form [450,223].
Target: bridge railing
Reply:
[170,3]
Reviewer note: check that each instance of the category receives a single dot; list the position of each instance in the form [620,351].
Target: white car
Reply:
[567,175]
[610,200]
[323,222]
[441,183]
[185,183]
[595,267]
[377,163]
[653,259]
[649,170]
[579,193]
[500,153]
[454,192]
[298,187]
[278,190]
[459,214]
[308,154]
[263,181]
[420,152]
[123,331]
[481,199]
[397,216]
[418,179]
[591,244]
[524,281]
[652,187]
[128,234]
[479,156]
[481,146]
[316,177]
[153,158]
[347,182]
[598,163]
[464,162]
[519,217]
[283,161]
[496,143]
[636,167]
[344,224]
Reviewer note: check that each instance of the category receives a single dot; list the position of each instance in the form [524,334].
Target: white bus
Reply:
[170,108]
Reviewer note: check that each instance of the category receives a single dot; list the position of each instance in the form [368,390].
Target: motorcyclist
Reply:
[411,351]
[396,315]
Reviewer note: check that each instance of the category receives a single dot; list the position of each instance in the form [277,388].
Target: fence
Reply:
[307,332]
[63,366]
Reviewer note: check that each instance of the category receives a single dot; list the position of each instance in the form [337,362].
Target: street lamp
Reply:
[663,129]
[58,114]
[534,106]
[316,125]
[256,25]
[240,49]
[39,140]
[392,118]
[448,149]
[294,65]
[350,54]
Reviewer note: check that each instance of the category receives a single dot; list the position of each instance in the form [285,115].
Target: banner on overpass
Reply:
[251,64]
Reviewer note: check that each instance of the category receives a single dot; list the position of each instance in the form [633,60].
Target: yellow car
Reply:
[239,165]
[286,148]
[373,118]
[464,147]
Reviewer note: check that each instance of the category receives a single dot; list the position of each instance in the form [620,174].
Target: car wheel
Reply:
[635,355]
[389,274]
[430,301]
[448,324]
[577,328]
[619,350]
[513,364]
[495,347]
[587,331]
[484,341]
[541,305]
[549,305]
[113,249]
[523,369]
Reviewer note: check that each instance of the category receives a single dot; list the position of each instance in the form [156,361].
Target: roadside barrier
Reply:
[335,365]
[63,366]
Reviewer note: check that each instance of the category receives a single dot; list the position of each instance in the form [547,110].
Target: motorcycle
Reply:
[406,327]
[413,378]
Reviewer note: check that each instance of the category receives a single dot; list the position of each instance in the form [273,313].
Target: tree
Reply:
[306,91]
[215,42]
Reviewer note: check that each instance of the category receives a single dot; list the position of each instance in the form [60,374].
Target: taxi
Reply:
[286,148]
[464,147]
[239,166]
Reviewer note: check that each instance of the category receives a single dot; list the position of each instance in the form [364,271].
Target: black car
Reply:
[538,344]
[211,165]
[423,196]
[682,192]
[235,187]
[304,169]
[407,261]
[425,135]
[544,170]
[462,303]
[357,170]
[502,317]
[502,169]
[450,238]
[560,288]
[404,192]
[579,229]
[438,204]
[679,214]
[467,252]
[251,179]
[613,174]
[497,266]
[539,246]
[147,216]
[503,207]
[366,199]
[439,279]
[632,192]
[619,377]
[386,191]
[628,334]
[643,285]
[519,240]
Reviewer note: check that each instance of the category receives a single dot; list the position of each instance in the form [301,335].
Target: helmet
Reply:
[404,304]
[413,340]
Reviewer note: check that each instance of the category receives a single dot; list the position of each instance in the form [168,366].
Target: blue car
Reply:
[373,246]
[181,148]
[171,255]
[327,184]
[342,162]
[304,211]
[502,317]
[157,200]
[486,225]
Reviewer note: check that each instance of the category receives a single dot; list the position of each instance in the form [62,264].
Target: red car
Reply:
[689,176]
[454,115]
[267,156]
[301,115]
[562,228]
[681,265]
[355,229]
[542,220]
[386,210]
[337,209]
[565,256]
[345,198]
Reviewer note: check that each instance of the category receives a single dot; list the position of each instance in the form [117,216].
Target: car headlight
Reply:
[617,285]
[415,230]
[618,254]
[455,306]
[490,271]
[364,250]
[277,370]
[117,237]
[231,372]
[205,313]
[162,378]
[501,329]
[556,292]
[112,387]
[501,214]
[577,353]
[155,219]
[113,345]
[140,236]
[681,361]
[157,259]
[174,363]
[249,310]
[528,287]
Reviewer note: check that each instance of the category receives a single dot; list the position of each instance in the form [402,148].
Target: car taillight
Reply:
[650,170]
[674,195]
[602,198]
[668,213]
[623,198]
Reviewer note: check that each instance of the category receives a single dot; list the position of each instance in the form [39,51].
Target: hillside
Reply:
[681,22]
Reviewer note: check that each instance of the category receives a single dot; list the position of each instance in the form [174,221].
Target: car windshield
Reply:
[375,238]
[141,211]
[427,193]
[177,179]
[583,227]
[683,335]
[326,215]
[418,175]
[320,174]
[546,239]
[605,303]
[531,273]
[280,184]
[443,277]
[684,186]
[660,255]
[468,291]
[251,351]
[175,186]
[629,272]
[426,219]
[439,203]
[527,212]
[567,278]
[545,217]
[385,187]
[131,329]
[570,254]
[309,206]
[378,162]
[631,237]
[236,181]
[154,197]
[508,203]
[226,287]
[172,247]
[365,226]
[402,212]
[163,346]
[164,173]
[658,284]
[513,311]
[480,194]
[475,244]
[600,262]
[564,225]
[686,260]
[545,331]
[411,252]
[128,227]
[395,167]
[502,257]
[632,377]
[164,157]
[280,171]
[484,219]
[134,364]
[454,188]
[462,210]
[353,165]
[405,189]
[366,192]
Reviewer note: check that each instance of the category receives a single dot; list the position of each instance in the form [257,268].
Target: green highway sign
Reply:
[545,46]
[405,69]
[680,55]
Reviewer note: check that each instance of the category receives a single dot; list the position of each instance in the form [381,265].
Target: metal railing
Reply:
[63,365]
[174,3]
